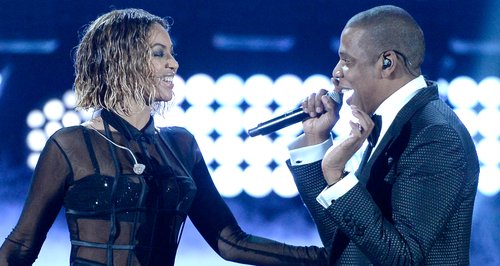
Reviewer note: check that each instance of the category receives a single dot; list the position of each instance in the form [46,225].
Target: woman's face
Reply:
[164,64]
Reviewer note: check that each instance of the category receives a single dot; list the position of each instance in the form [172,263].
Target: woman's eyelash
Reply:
[162,53]
[158,53]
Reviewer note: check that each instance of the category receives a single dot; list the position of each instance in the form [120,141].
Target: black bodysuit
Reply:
[118,217]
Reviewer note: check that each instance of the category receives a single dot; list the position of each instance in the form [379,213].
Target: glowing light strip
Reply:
[256,165]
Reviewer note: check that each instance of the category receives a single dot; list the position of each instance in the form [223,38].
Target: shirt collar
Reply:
[392,105]
[126,129]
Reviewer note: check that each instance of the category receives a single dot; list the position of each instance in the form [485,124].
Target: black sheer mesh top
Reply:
[118,217]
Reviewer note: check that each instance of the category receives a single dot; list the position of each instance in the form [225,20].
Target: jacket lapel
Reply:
[422,98]
[426,95]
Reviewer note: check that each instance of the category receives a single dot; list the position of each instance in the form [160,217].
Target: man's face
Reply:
[356,70]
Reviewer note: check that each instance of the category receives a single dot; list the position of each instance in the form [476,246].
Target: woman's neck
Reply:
[137,119]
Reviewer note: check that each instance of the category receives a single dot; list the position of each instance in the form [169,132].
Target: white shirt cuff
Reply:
[309,154]
[336,191]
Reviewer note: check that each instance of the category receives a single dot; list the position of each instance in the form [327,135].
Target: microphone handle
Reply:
[287,119]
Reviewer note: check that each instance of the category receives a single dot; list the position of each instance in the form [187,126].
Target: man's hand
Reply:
[336,157]
[324,113]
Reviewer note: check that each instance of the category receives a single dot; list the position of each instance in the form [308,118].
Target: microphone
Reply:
[289,118]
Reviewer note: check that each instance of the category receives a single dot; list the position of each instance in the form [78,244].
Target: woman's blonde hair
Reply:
[112,62]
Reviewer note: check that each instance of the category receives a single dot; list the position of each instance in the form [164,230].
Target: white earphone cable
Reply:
[138,168]
[117,145]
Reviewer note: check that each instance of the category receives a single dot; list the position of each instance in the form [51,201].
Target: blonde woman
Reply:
[126,186]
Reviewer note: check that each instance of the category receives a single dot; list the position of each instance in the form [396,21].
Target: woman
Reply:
[126,186]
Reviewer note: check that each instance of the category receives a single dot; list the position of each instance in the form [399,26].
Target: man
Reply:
[411,202]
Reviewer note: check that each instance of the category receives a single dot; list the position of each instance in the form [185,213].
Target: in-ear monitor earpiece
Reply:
[387,63]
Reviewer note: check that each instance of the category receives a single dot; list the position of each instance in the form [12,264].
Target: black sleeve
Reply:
[218,226]
[43,203]
[209,213]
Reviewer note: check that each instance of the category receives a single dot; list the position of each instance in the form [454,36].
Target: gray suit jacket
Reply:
[413,204]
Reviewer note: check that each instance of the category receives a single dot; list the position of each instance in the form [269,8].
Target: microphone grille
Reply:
[336,97]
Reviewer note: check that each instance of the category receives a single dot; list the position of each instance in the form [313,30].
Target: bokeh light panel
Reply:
[460,92]
[229,90]
[469,118]
[257,90]
[219,112]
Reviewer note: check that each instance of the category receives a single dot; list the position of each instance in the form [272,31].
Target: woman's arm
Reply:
[217,224]
[42,205]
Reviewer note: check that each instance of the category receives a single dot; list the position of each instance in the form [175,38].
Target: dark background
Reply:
[462,39]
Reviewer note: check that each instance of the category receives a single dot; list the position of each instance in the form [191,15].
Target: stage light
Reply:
[489,180]
[32,159]
[51,127]
[487,151]
[279,148]
[35,119]
[282,182]
[207,148]
[228,180]
[199,90]
[256,151]
[467,47]
[489,92]
[257,181]
[228,150]
[469,118]
[229,90]
[28,46]
[259,95]
[54,109]
[257,43]
[315,82]
[443,88]
[173,116]
[257,90]
[69,99]
[462,92]
[487,120]
[288,92]
[227,120]
[36,140]
[86,114]
[179,89]
[71,118]
[199,119]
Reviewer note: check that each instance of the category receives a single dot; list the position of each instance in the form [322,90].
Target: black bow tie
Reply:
[372,140]
[373,137]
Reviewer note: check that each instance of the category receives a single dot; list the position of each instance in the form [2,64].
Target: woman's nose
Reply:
[172,64]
